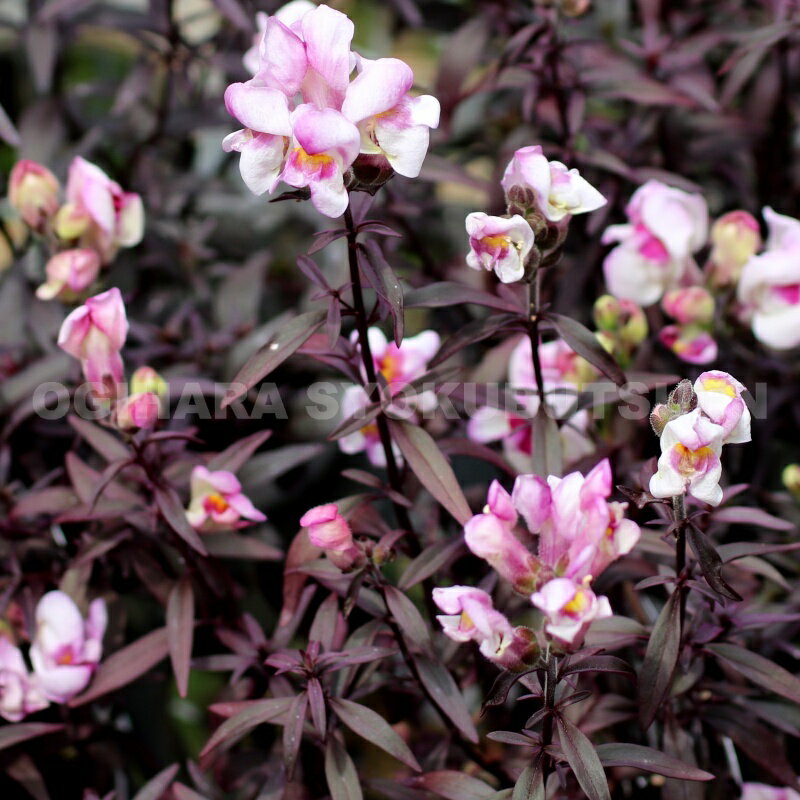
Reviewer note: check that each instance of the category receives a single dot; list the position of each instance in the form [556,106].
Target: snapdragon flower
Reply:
[328,529]
[499,244]
[217,502]
[569,608]
[20,692]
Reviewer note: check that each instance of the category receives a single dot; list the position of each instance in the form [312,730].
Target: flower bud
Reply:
[139,412]
[69,273]
[575,8]
[692,304]
[607,340]
[33,192]
[606,312]
[328,529]
[690,343]
[735,237]
[634,328]
[71,222]
[683,398]
[146,379]
[791,479]
[660,416]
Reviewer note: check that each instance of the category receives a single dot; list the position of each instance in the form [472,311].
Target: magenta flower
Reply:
[217,502]
[690,450]
[499,244]
[20,693]
[760,791]
[469,615]
[570,608]
[138,412]
[559,192]
[769,289]
[66,649]
[690,343]
[98,212]
[490,536]
[95,333]
[33,192]
[328,529]
[392,123]
[69,273]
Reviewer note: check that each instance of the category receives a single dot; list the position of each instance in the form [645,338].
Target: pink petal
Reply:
[379,87]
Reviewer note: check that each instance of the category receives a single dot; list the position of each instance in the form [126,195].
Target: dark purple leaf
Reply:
[610,664]
[454,785]
[375,729]
[736,550]
[234,457]
[381,277]
[759,670]
[106,477]
[464,51]
[125,666]
[512,738]
[7,130]
[333,322]
[22,731]
[358,420]
[746,515]
[431,560]
[633,755]
[293,731]
[104,442]
[464,447]
[407,616]
[710,562]
[158,784]
[233,12]
[660,659]
[354,655]
[447,294]
[340,772]
[174,514]
[373,226]
[234,545]
[530,784]
[180,631]
[439,684]
[472,332]
[286,340]
[583,759]
[586,344]
[431,467]
[321,240]
[254,714]
[316,702]
[183,792]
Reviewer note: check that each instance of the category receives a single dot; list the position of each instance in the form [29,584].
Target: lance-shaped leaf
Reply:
[431,467]
[439,684]
[235,456]
[759,670]
[104,442]
[380,276]
[239,725]
[447,294]
[158,784]
[180,630]
[22,731]
[530,784]
[646,758]
[285,341]
[293,731]
[610,664]
[660,659]
[454,785]
[472,332]
[747,515]
[710,562]
[374,728]
[408,618]
[585,344]
[340,772]
[736,550]
[584,761]
[431,560]
[174,514]
[183,792]
[125,666]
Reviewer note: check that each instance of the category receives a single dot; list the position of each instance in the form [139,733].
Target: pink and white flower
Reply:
[217,502]
[33,192]
[559,192]
[95,333]
[570,608]
[69,273]
[719,397]
[470,616]
[328,529]
[690,459]
[760,791]
[98,212]
[691,343]
[490,536]
[665,227]
[735,237]
[769,289]
[66,648]
[691,304]
[499,244]
[392,123]
[20,693]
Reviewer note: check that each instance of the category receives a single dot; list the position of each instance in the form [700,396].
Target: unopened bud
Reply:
[683,398]
[693,304]
[138,412]
[71,222]
[146,379]
[791,479]
[69,273]
[660,416]
[735,237]
[33,192]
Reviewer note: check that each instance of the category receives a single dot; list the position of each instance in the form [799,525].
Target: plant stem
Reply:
[550,682]
[679,516]
[534,295]
[360,315]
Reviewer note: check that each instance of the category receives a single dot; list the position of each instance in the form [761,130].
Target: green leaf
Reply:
[340,772]
[286,340]
[585,344]
[660,659]
[759,670]
[633,755]
[375,729]
[431,467]
[439,683]
[583,759]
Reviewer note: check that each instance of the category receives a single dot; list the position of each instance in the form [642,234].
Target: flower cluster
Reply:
[398,366]
[693,425]
[565,373]
[580,534]
[540,194]
[305,122]
[65,652]
[85,232]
